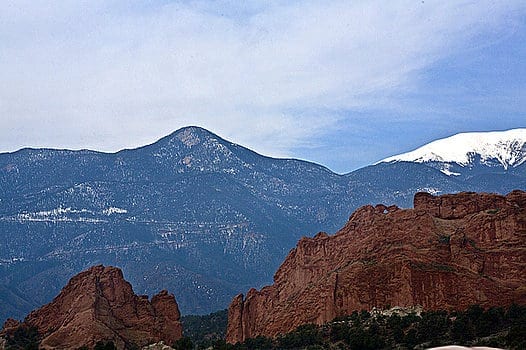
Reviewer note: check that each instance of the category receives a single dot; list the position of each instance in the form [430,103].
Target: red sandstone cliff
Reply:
[99,305]
[448,252]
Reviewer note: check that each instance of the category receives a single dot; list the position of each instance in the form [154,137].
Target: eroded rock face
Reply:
[99,305]
[448,252]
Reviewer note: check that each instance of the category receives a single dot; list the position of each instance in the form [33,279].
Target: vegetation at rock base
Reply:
[496,327]
[204,331]
[104,346]
[23,338]
[184,343]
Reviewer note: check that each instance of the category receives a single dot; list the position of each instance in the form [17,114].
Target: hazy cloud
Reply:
[114,74]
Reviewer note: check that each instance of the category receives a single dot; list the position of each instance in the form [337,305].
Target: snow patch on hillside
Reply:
[114,210]
[446,169]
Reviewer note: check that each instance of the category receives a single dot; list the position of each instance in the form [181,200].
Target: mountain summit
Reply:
[192,212]
[504,149]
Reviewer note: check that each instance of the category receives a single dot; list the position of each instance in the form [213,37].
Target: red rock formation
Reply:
[99,305]
[448,252]
[10,325]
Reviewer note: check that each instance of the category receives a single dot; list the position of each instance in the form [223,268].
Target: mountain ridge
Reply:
[505,148]
[178,211]
[419,154]
[168,139]
[191,212]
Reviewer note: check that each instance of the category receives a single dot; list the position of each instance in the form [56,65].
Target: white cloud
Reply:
[108,75]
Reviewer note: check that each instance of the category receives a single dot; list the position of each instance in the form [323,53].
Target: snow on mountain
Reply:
[507,148]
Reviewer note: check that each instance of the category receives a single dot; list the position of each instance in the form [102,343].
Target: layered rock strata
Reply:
[99,305]
[448,252]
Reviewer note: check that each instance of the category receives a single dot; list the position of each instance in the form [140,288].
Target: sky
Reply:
[340,83]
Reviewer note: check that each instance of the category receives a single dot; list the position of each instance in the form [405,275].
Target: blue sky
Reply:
[341,83]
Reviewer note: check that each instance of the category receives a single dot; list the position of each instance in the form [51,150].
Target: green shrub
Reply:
[26,338]
[184,343]
[105,345]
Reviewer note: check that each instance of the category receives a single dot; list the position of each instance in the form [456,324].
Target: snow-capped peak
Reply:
[505,147]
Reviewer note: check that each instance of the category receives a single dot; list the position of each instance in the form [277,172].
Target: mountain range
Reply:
[201,216]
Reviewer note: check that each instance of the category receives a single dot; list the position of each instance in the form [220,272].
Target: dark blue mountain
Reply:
[192,213]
